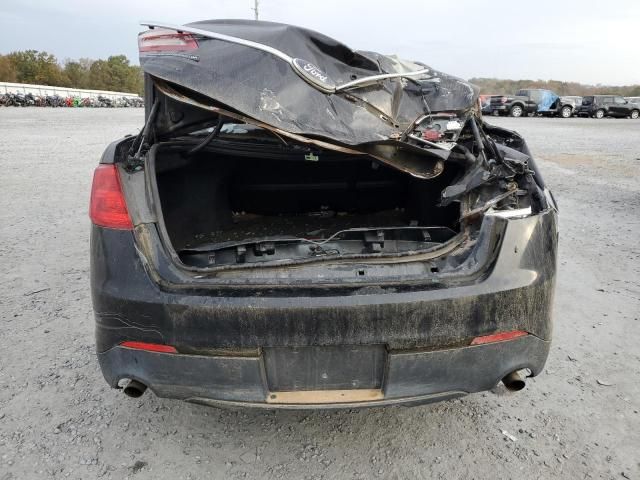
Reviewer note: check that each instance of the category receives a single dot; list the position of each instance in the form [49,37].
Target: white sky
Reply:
[588,41]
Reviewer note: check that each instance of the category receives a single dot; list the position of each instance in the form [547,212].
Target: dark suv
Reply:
[600,106]
[288,236]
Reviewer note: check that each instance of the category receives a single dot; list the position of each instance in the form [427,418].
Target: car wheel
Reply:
[635,114]
[516,111]
[566,112]
[599,114]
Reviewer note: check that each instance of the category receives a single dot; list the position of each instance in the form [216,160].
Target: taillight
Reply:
[107,207]
[162,40]
[498,337]
[150,347]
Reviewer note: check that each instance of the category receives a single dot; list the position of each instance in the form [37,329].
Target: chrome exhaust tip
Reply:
[514,381]
[134,389]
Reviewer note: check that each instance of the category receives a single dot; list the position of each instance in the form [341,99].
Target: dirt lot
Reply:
[58,419]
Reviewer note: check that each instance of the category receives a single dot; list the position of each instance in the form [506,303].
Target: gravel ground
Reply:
[58,418]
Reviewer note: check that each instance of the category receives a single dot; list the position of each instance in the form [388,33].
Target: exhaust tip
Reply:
[134,389]
[514,381]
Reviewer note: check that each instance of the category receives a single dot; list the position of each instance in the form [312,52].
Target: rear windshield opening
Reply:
[225,208]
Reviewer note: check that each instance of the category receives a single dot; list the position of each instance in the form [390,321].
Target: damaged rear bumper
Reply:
[424,333]
[412,377]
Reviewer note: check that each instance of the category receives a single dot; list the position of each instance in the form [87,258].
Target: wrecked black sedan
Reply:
[302,225]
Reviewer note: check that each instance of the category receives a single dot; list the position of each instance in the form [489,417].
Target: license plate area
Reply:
[345,367]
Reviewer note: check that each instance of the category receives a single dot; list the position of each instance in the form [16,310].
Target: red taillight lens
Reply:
[150,347]
[498,337]
[108,207]
[160,40]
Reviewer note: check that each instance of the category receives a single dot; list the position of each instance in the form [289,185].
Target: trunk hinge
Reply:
[141,142]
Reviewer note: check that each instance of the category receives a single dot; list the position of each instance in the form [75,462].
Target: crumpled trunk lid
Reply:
[300,89]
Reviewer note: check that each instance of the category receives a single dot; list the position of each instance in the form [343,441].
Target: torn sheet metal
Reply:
[302,82]
[403,156]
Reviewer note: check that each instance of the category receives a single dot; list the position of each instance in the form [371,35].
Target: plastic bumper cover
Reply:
[411,377]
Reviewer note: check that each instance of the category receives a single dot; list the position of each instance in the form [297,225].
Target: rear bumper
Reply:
[222,334]
[410,377]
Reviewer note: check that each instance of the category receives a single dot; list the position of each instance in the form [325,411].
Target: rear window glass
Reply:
[587,100]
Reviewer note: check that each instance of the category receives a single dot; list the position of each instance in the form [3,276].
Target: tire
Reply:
[516,111]
[635,114]
[566,111]
[599,113]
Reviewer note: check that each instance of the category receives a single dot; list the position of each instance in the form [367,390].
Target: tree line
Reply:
[500,87]
[117,74]
[42,68]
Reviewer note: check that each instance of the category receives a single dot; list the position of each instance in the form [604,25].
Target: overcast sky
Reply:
[574,40]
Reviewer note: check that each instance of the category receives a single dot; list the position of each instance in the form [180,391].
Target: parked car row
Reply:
[30,100]
[536,101]
[600,106]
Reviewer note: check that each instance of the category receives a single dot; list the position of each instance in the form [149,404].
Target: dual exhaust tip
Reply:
[513,382]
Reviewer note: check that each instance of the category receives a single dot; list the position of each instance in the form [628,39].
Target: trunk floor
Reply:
[312,226]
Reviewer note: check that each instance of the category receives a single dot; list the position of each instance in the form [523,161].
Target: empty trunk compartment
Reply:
[225,207]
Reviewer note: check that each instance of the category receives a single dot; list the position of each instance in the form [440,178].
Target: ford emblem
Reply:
[313,75]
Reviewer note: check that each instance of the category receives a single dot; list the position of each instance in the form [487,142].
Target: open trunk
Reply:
[273,161]
[228,206]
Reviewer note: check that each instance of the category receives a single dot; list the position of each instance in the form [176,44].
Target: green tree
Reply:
[33,66]
[115,73]
[77,72]
[7,70]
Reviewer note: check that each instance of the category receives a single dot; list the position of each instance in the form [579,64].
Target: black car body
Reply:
[512,105]
[600,106]
[300,225]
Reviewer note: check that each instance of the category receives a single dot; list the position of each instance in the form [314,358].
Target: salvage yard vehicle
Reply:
[512,105]
[302,225]
[574,101]
[600,106]
[549,103]
[533,101]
